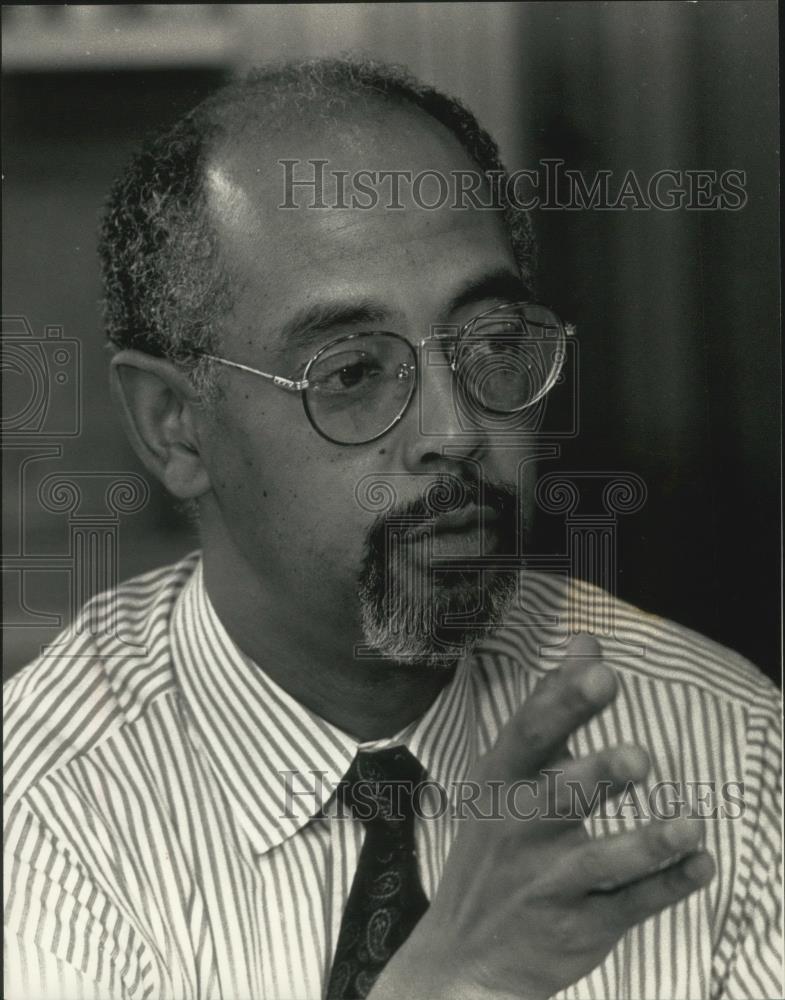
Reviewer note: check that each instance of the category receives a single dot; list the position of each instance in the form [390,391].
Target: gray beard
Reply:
[414,615]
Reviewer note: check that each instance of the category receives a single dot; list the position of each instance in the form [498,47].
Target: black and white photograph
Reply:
[392,547]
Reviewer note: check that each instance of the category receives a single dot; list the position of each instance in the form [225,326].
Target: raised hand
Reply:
[527,907]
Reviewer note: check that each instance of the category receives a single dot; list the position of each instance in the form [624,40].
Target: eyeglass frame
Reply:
[300,385]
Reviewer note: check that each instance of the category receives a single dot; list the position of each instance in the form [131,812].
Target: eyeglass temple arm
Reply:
[279,380]
[292,385]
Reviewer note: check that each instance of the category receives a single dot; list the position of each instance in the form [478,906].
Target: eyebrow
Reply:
[502,283]
[306,328]
[308,325]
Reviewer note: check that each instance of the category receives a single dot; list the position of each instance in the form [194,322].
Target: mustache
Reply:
[445,495]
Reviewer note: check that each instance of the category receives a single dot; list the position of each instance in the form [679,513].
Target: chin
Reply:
[432,627]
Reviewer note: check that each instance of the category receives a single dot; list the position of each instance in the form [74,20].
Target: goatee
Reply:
[416,614]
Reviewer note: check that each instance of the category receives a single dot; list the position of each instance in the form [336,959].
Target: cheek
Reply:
[292,499]
[321,509]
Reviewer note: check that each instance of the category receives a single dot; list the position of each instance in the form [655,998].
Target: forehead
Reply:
[292,245]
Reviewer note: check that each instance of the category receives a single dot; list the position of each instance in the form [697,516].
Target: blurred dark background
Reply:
[678,312]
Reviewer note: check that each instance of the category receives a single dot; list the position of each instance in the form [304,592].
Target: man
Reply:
[351,747]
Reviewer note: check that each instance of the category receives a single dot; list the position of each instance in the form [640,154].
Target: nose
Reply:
[438,434]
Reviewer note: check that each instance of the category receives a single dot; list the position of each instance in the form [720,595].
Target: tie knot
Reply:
[380,786]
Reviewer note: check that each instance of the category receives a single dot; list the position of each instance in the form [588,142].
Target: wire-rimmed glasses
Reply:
[359,386]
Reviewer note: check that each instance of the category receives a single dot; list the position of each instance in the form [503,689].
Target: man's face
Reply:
[308,515]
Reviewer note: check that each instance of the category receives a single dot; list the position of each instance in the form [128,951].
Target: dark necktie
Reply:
[386,899]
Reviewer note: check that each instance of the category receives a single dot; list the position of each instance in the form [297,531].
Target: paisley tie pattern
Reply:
[386,899]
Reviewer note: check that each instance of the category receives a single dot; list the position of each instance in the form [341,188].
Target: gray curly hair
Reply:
[166,289]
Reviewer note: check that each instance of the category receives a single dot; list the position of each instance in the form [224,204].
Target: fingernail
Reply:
[682,833]
[583,645]
[700,868]
[597,682]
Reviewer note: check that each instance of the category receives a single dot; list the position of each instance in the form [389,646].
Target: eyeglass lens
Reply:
[358,388]
[509,359]
[505,361]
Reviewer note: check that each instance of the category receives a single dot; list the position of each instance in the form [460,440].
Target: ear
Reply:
[157,404]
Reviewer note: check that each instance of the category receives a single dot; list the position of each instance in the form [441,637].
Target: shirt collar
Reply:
[277,761]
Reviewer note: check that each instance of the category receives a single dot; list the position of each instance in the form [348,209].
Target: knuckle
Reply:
[537,733]
[675,883]
[573,934]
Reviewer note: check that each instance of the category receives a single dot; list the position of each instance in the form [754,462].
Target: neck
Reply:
[311,654]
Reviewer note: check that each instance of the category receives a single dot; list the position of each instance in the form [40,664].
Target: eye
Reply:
[344,372]
[352,375]
[497,337]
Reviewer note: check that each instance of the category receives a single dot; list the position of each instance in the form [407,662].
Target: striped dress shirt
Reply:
[167,809]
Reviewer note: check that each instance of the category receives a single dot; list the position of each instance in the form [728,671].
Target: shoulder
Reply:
[682,694]
[82,791]
[97,678]
[644,648]
[709,719]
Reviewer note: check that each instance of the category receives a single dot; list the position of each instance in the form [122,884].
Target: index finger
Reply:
[563,700]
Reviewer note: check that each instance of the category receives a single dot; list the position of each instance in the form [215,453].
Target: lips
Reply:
[469,518]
